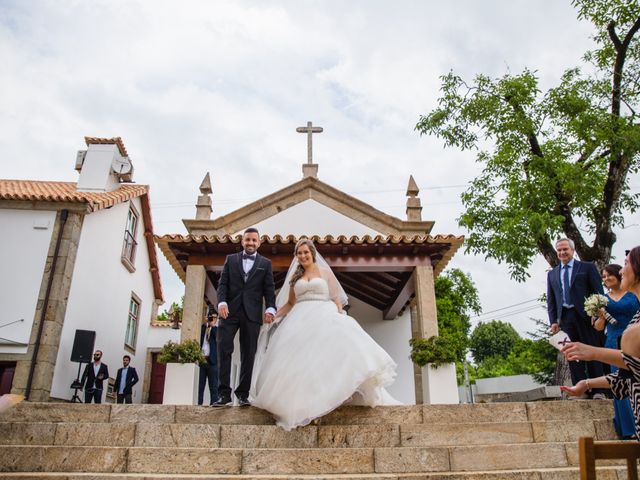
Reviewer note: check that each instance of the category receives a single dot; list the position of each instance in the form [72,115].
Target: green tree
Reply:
[533,356]
[492,339]
[559,160]
[456,299]
[174,309]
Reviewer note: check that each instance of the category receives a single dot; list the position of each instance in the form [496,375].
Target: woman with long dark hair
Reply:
[614,319]
[626,381]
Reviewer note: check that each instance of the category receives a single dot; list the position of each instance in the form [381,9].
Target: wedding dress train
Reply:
[316,359]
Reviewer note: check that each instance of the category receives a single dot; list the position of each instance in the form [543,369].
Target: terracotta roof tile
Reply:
[108,141]
[33,190]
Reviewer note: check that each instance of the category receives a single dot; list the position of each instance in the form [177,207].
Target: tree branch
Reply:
[611,29]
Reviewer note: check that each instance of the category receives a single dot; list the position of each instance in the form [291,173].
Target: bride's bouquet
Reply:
[594,303]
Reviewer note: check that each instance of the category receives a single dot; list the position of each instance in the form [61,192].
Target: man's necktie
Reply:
[566,286]
[246,256]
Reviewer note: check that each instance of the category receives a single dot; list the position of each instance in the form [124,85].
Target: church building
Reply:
[386,265]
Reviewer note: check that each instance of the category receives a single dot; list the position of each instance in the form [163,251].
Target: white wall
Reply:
[312,218]
[99,297]
[158,336]
[23,254]
[393,336]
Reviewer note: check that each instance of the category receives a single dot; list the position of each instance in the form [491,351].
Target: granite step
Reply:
[193,435]
[298,461]
[410,414]
[568,473]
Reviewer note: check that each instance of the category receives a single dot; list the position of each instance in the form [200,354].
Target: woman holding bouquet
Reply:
[625,382]
[614,319]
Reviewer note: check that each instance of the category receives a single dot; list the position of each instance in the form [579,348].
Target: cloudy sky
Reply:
[217,86]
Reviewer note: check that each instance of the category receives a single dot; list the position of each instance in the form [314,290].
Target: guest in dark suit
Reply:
[246,279]
[568,285]
[126,378]
[209,369]
[92,377]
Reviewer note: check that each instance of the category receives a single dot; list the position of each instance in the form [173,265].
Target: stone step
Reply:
[567,473]
[298,461]
[320,436]
[410,414]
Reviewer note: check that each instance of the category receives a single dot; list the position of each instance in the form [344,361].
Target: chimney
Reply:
[103,166]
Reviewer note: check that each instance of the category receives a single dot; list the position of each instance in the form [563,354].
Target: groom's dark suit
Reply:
[573,320]
[243,294]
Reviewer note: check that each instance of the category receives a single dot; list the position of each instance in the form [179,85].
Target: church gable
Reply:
[308,189]
[310,217]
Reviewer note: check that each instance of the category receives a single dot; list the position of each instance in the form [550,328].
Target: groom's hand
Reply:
[268,318]
[223,311]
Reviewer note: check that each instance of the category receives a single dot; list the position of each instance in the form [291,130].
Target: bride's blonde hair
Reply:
[297,275]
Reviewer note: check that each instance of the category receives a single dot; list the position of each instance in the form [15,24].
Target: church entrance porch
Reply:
[389,280]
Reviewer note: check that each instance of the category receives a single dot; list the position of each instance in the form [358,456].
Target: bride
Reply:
[314,358]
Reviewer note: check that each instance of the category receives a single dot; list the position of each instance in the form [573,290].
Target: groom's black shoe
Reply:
[244,402]
[222,402]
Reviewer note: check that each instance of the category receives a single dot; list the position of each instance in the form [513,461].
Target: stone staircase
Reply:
[532,441]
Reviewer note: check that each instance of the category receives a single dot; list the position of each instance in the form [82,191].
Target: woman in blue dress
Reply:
[614,319]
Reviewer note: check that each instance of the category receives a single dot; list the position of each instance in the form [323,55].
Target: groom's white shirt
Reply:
[247,264]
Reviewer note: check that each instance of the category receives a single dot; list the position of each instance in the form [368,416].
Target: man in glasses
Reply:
[93,376]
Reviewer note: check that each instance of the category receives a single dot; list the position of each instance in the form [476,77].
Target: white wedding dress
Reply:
[316,359]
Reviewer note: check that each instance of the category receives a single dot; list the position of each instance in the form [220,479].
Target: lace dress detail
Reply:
[317,359]
[626,383]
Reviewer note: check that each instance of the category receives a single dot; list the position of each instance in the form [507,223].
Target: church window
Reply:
[129,246]
[132,323]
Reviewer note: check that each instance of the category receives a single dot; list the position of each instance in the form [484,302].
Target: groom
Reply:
[247,279]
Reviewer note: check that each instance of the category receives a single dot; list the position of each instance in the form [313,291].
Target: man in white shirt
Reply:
[126,378]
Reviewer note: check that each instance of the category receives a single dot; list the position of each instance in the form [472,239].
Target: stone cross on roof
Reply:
[309,130]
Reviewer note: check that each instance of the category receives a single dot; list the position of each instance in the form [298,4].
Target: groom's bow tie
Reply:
[246,256]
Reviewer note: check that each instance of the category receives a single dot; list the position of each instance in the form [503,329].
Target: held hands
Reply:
[578,351]
[268,318]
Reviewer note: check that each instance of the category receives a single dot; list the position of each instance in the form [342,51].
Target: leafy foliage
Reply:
[557,159]
[434,350]
[492,339]
[186,352]
[174,309]
[533,356]
[456,299]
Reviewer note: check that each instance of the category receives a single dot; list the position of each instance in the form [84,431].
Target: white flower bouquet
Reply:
[594,303]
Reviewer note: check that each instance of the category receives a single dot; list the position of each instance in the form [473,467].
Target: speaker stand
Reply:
[76,385]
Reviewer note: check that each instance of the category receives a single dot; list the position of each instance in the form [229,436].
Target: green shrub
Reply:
[434,350]
[186,352]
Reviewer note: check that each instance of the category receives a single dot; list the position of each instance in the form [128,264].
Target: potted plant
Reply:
[181,376]
[437,357]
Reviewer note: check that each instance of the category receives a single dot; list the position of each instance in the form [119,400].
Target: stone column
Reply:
[193,312]
[425,301]
[55,314]
[424,316]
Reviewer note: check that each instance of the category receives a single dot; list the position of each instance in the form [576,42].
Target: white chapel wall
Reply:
[99,297]
[23,254]
[393,336]
[312,218]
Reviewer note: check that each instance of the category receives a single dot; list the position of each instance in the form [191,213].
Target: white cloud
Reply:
[220,86]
